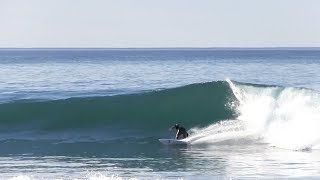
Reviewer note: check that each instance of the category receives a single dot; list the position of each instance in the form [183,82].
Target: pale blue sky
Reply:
[159,23]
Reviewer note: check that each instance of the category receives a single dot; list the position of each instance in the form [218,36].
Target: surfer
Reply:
[181,131]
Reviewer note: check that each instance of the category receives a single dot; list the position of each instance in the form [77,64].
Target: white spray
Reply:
[282,117]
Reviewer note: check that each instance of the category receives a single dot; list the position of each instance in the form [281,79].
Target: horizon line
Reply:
[167,48]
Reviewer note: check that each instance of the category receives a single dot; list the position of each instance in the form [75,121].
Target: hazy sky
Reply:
[159,23]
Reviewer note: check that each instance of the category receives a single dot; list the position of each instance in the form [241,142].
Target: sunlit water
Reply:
[68,73]
[251,161]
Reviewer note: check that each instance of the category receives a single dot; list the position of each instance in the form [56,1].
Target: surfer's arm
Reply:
[177,135]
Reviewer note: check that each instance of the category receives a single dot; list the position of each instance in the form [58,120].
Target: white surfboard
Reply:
[172,142]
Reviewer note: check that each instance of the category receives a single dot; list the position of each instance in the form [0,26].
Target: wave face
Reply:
[145,114]
[283,117]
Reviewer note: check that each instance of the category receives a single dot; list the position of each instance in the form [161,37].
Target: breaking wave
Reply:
[214,112]
[283,117]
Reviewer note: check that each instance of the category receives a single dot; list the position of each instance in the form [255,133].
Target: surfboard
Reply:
[172,142]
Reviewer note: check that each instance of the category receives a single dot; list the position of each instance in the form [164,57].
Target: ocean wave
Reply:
[213,112]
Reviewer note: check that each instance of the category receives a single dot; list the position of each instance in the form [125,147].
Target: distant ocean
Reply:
[98,113]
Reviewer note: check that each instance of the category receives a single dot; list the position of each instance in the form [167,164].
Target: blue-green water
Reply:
[98,113]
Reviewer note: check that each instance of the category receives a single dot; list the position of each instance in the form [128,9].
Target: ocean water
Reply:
[98,113]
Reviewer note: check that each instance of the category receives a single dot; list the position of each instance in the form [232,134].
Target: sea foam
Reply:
[282,117]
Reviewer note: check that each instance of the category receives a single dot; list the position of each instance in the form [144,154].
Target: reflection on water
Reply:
[254,161]
[193,162]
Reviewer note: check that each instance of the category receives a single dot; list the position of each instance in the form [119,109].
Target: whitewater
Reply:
[98,113]
[282,117]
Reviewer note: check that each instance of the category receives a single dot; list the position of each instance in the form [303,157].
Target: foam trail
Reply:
[99,176]
[217,133]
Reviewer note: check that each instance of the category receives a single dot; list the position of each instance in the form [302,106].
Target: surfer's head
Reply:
[177,126]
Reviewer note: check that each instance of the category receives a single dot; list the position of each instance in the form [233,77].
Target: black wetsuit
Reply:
[181,132]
